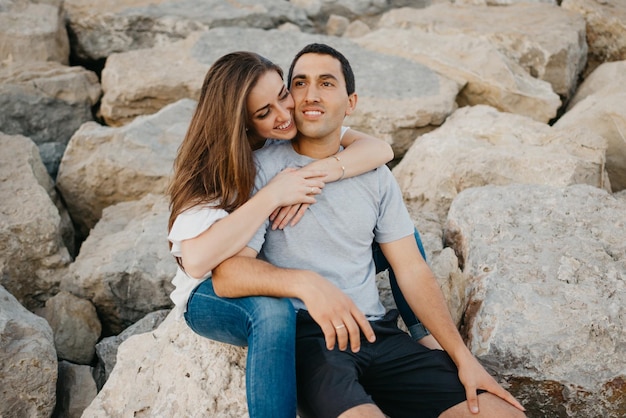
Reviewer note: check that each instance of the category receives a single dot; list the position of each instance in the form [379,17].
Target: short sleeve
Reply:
[192,223]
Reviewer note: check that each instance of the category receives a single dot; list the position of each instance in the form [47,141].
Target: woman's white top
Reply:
[189,224]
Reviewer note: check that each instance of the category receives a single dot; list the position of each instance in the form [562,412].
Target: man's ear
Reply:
[352,99]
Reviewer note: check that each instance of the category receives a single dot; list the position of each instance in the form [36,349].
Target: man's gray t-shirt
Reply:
[334,238]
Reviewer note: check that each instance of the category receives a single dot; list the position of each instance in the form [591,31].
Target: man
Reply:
[328,271]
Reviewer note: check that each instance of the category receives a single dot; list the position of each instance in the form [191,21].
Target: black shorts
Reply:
[402,377]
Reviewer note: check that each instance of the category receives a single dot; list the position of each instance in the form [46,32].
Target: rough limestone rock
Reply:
[173,372]
[106,349]
[47,102]
[34,231]
[548,41]
[102,28]
[478,145]
[103,166]
[76,389]
[33,31]
[608,78]
[124,267]
[28,362]
[606,28]
[75,325]
[604,114]
[547,285]
[413,101]
[487,75]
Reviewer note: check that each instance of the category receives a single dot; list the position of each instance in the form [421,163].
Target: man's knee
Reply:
[489,404]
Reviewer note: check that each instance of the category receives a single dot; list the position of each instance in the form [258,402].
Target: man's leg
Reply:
[363,411]
[328,380]
[267,326]
[406,379]
[490,406]
[415,327]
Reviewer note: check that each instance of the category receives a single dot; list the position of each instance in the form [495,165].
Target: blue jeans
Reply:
[267,326]
[415,327]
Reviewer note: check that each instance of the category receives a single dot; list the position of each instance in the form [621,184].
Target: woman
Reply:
[213,179]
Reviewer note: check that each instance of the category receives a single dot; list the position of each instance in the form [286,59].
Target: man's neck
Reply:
[315,147]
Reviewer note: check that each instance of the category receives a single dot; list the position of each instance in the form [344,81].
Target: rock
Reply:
[605,115]
[478,146]
[103,166]
[47,102]
[606,79]
[75,326]
[173,372]
[106,349]
[336,25]
[606,29]
[28,362]
[124,267]
[76,389]
[547,304]
[486,74]
[34,232]
[33,31]
[548,41]
[100,29]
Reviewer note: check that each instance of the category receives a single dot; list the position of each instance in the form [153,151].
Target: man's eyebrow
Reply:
[321,76]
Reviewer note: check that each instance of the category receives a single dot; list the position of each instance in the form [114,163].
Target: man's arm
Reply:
[245,275]
[422,292]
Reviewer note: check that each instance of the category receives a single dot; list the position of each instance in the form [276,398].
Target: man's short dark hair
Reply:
[324,49]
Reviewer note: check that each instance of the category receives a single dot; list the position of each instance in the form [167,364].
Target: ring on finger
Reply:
[340,326]
[312,190]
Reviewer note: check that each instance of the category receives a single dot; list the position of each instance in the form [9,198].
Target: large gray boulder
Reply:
[47,102]
[33,31]
[173,372]
[103,166]
[606,28]
[28,361]
[546,273]
[599,107]
[101,28]
[487,76]
[124,267]
[35,229]
[547,40]
[478,145]
[75,325]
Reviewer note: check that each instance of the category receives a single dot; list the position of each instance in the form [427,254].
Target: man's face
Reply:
[319,92]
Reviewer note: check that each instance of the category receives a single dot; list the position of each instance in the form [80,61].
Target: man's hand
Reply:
[340,319]
[285,215]
[473,376]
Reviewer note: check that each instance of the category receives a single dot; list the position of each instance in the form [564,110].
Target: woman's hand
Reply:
[292,187]
[288,215]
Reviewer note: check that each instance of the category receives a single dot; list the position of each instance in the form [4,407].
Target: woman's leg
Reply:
[267,326]
[415,327]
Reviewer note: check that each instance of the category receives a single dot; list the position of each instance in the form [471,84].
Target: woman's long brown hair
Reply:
[214,163]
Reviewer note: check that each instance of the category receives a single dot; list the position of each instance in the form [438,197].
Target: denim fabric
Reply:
[267,326]
[416,329]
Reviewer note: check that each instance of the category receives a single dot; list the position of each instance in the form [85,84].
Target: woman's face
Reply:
[270,107]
